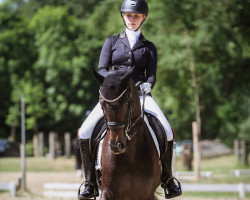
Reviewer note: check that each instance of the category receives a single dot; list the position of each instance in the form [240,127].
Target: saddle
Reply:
[159,133]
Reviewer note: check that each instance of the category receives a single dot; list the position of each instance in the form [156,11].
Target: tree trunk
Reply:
[197,101]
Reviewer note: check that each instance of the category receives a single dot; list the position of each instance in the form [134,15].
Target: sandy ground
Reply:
[36,180]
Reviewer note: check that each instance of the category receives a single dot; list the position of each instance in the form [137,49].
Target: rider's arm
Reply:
[151,65]
[105,57]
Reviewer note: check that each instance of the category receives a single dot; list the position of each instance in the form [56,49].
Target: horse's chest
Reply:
[127,186]
[128,176]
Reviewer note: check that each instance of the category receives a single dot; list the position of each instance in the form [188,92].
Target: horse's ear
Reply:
[128,74]
[98,76]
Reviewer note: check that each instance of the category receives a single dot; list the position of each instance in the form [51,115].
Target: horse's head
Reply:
[117,104]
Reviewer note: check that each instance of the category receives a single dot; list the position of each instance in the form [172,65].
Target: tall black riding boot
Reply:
[91,189]
[167,180]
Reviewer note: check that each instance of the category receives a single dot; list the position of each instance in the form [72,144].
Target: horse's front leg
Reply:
[106,194]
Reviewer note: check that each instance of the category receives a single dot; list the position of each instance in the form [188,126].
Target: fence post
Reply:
[187,156]
[237,149]
[52,145]
[23,143]
[241,188]
[40,144]
[12,186]
[67,144]
[241,151]
[197,153]
[35,145]
[244,152]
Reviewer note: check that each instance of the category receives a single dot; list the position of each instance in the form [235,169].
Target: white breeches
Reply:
[88,125]
[150,106]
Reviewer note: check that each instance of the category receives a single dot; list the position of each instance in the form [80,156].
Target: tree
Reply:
[61,67]
[217,30]
[64,40]
[34,100]
[16,57]
[80,9]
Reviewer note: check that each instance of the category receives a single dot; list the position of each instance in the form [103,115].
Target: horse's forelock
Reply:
[112,85]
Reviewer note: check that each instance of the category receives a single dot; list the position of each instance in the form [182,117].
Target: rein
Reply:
[127,125]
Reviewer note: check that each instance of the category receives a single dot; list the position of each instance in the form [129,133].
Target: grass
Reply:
[40,164]
[223,164]
[221,168]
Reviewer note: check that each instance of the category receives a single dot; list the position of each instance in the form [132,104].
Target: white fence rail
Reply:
[181,174]
[241,188]
[238,172]
[58,189]
[11,186]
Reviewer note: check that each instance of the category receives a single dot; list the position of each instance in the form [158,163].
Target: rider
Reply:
[130,48]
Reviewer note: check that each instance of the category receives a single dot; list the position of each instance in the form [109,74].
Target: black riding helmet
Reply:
[135,6]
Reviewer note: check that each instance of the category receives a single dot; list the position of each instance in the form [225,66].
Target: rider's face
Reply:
[133,20]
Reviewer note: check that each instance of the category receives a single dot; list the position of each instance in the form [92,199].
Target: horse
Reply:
[130,163]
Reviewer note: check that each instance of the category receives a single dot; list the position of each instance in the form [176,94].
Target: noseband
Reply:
[127,125]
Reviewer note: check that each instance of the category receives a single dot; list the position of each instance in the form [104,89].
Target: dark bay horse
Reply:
[130,163]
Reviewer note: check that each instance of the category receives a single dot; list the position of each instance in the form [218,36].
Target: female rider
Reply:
[130,48]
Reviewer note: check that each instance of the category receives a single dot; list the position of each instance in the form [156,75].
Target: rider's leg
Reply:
[167,178]
[88,161]
[90,186]
[88,125]
[151,107]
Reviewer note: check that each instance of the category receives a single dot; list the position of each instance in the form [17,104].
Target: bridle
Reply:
[129,123]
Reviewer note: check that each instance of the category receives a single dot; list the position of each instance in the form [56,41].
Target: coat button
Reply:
[129,67]
[129,60]
[129,52]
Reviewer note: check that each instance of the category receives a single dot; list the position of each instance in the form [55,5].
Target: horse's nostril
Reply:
[120,146]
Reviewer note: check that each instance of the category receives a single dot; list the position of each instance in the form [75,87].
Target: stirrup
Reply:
[164,186]
[91,184]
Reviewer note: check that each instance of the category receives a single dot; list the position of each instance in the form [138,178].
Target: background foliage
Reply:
[47,48]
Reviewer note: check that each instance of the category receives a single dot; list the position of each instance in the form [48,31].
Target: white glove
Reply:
[145,87]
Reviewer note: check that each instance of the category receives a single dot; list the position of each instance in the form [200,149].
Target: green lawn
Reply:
[221,168]
[39,164]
